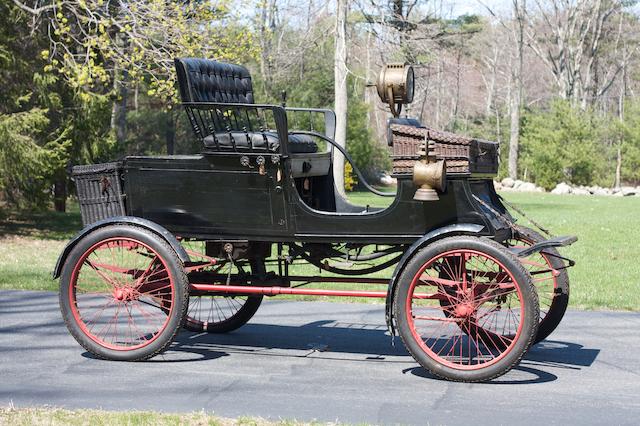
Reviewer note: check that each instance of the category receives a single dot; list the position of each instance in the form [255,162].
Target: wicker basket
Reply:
[100,192]
[463,155]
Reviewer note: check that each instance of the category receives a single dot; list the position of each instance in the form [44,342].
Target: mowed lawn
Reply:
[62,417]
[606,275]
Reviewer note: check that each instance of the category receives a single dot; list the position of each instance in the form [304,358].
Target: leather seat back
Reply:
[204,80]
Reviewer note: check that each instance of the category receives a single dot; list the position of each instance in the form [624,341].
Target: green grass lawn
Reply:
[57,416]
[606,276]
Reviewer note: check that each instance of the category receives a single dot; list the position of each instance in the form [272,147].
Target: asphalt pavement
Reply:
[322,361]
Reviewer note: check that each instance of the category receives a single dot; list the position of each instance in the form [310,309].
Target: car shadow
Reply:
[327,337]
[355,342]
[533,368]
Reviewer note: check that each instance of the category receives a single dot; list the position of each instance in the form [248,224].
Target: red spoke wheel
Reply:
[466,309]
[220,314]
[550,278]
[123,293]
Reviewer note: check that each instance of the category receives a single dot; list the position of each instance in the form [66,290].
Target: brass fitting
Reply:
[429,176]
[395,86]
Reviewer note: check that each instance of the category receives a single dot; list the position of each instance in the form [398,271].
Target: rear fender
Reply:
[122,220]
[436,234]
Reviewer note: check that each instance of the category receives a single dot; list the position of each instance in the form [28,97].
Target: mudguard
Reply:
[436,234]
[122,220]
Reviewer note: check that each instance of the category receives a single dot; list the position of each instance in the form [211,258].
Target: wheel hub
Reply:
[464,310]
[124,294]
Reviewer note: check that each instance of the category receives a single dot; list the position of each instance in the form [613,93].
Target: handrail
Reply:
[329,118]
[349,159]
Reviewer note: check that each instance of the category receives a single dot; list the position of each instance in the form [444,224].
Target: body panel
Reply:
[216,197]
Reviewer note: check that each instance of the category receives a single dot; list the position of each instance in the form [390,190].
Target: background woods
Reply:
[91,80]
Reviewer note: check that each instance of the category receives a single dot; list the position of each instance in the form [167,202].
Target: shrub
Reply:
[562,144]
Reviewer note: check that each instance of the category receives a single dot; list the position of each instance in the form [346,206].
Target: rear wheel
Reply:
[550,278]
[123,293]
[466,309]
[220,314]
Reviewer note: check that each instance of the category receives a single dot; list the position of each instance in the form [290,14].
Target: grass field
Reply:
[56,416]
[606,276]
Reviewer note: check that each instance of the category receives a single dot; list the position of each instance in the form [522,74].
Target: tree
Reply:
[105,47]
[517,88]
[569,36]
[563,144]
[340,90]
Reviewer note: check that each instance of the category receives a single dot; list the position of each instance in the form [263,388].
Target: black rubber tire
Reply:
[523,280]
[175,269]
[553,317]
[237,320]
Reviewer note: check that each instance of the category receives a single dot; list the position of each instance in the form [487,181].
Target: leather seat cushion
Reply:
[298,144]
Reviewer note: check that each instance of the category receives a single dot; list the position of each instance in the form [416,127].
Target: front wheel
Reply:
[123,293]
[466,309]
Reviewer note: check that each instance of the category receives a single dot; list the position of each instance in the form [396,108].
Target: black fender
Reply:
[436,234]
[122,220]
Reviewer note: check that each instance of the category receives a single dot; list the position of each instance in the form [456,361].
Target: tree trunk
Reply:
[458,76]
[514,134]
[618,168]
[60,193]
[119,108]
[340,88]
[517,91]
[267,25]
[170,133]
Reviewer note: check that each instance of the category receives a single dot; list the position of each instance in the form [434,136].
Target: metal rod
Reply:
[357,280]
[272,291]
[313,279]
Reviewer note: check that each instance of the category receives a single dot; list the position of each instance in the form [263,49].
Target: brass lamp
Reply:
[395,86]
[428,177]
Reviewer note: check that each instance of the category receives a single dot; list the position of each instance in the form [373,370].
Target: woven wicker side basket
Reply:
[100,192]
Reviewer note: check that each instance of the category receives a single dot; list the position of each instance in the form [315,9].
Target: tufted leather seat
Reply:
[204,80]
[298,144]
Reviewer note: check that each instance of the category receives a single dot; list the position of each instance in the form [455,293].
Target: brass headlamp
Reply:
[395,86]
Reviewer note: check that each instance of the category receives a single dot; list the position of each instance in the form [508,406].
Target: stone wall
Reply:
[508,184]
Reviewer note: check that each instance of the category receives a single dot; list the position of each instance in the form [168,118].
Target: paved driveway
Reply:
[323,361]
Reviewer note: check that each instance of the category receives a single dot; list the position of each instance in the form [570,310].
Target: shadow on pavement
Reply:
[542,356]
[315,337]
[337,340]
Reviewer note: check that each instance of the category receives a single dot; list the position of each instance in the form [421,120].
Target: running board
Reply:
[563,241]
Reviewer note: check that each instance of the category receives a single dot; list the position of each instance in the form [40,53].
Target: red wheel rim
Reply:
[211,310]
[121,294]
[545,277]
[481,320]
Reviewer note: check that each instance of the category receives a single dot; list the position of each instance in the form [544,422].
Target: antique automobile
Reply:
[197,241]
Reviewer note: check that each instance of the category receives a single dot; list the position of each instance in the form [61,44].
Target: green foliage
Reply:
[368,154]
[135,41]
[562,144]
[27,168]
[629,143]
